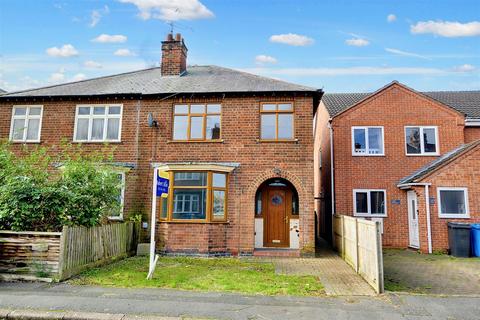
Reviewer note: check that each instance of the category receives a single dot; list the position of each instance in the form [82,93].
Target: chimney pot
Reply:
[169,37]
[178,37]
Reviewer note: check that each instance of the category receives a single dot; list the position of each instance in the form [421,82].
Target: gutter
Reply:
[473,122]
[427,208]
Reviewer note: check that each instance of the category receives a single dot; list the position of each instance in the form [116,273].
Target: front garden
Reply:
[202,274]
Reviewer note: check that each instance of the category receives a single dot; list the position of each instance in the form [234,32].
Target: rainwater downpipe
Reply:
[332,167]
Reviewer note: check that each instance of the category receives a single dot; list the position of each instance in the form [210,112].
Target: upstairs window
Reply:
[421,140]
[197,122]
[26,123]
[276,121]
[369,203]
[98,123]
[367,141]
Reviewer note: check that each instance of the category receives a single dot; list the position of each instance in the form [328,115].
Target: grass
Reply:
[202,274]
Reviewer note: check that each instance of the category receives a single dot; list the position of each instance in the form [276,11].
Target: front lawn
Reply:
[202,274]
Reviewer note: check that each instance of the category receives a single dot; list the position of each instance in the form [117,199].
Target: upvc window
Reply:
[196,196]
[118,214]
[453,202]
[98,123]
[26,123]
[197,122]
[367,141]
[369,203]
[421,140]
[277,121]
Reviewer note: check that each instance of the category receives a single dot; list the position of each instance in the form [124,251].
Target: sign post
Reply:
[161,183]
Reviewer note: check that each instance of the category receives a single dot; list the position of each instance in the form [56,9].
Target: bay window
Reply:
[196,196]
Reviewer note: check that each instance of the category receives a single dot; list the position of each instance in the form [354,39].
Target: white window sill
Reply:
[25,142]
[367,155]
[115,218]
[90,142]
[454,216]
[422,154]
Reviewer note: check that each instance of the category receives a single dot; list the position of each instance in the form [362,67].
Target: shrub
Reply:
[37,195]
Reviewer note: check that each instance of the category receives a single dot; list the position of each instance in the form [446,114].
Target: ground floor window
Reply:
[453,202]
[118,214]
[369,203]
[196,196]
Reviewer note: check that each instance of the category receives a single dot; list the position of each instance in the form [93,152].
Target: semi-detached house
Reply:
[408,159]
[238,149]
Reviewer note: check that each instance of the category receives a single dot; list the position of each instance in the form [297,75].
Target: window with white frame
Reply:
[421,140]
[98,123]
[369,203]
[367,141]
[453,202]
[26,123]
[118,213]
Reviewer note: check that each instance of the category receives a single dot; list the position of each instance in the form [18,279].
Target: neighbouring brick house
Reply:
[238,148]
[409,159]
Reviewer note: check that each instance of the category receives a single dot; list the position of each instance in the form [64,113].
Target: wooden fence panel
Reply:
[359,242]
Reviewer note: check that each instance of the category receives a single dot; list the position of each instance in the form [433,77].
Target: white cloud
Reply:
[292,39]
[448,29]
[357,42]
[464,68]
[78,77]
[107,38]
[406,53]
[67,50]
[92,64]
[96,15]
[391,17]
[171,10]
[58,76]
[263,59]
[124,53]
[364,71]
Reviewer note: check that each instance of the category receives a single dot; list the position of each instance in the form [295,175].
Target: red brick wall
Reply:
[143,146]
[393,108]
[472,134]
[463,172]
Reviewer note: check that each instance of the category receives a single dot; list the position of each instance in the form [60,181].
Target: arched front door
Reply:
[277,205]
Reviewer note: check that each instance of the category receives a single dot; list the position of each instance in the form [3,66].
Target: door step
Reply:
[271,252]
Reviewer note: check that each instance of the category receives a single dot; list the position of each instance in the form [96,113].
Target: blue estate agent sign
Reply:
[162,184]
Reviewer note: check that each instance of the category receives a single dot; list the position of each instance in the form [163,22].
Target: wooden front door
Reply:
[276,224]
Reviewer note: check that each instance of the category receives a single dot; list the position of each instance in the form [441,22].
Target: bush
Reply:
[36,195]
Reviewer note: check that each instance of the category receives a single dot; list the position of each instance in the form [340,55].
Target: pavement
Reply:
[149,303]
[407,270]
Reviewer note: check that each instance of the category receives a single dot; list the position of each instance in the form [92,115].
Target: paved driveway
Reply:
[407,270]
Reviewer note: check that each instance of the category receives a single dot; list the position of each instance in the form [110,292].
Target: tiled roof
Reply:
[2,91]
[197,79]
[466,102]
[440,162]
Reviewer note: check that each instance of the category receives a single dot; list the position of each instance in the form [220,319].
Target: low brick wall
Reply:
[34,254]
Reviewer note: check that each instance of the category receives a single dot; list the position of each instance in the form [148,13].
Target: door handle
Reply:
[286,220]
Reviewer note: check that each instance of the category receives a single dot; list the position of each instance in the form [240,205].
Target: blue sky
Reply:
[340,45]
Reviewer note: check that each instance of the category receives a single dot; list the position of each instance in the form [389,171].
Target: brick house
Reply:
[405,158]
[238,148]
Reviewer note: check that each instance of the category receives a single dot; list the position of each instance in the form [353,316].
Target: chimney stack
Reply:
[174,55]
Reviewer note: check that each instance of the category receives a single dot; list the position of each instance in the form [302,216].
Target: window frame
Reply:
[422,146]
[189,116]
[26,118]
[277,112]
[122,197]
[366,154]
[442,215]
[209,218]
[369,206]
[105,118]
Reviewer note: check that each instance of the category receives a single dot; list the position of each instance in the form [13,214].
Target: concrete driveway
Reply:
[407,270]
